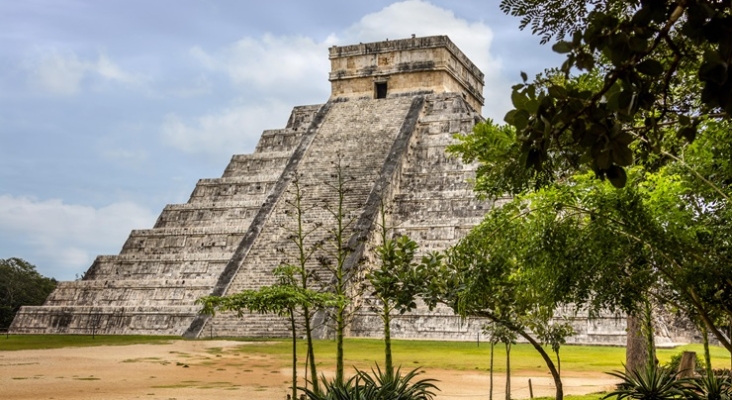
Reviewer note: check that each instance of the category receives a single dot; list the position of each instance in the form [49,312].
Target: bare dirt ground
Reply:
[192,370]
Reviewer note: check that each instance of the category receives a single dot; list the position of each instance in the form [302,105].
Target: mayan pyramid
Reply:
[393,109]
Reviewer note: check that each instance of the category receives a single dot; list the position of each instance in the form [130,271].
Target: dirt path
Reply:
[221,370]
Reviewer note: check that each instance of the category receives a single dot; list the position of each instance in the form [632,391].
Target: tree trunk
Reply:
[508,371]
[649,334]
[490,396]
[311,353]
[559,364]
[294,354]
[340,327]
[707,357]
[387,341]
[559,394]
[636,350]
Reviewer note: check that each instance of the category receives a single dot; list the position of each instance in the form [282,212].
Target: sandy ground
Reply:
[193,370]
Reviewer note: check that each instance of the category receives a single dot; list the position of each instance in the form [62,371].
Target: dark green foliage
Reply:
[712,387]
[663,69]
[557,19]
[650,383]
[378,385]
[396,283]
[21,285]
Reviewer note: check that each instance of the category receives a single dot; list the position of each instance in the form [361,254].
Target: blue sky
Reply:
[111,109]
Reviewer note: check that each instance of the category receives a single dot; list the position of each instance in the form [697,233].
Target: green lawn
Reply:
[363,353]
[464,356]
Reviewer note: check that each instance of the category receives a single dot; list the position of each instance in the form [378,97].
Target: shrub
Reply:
[650,383]
[379,385]
[712,387]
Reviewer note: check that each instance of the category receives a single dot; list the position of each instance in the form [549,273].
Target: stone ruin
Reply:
[393,109]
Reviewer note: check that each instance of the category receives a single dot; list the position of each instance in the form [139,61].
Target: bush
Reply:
[379,385]
[712,387]
[650,383]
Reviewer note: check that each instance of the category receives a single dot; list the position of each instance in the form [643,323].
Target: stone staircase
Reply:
[433,203]
[358,135]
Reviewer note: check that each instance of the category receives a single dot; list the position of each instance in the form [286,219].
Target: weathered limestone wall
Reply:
[151,286]
[407,65]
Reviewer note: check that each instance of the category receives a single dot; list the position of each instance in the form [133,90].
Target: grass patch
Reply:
[464,356]
[33,342]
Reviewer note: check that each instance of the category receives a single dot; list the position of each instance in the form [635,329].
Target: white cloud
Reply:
[58,74]
[64,74]
[233,130]
[69,236]
[292,68]
[271,63]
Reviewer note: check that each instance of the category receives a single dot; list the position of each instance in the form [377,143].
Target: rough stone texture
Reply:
[236,229]
[431,64]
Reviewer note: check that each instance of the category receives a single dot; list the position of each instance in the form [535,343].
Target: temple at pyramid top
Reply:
[406,66]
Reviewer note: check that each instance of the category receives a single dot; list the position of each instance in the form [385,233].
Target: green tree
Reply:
[498,333]
[663,68]
[306,248]
[485,276]
[396,283]
[554,335]
[337,249]
[21,285]
[283,299]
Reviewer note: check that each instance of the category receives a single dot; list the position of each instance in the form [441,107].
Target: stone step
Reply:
[125,267]
[279,140]
[127,292]
[203,214]
[234,188]
[136,283]
[137,320]
[216,239]
[256,163]
[445,195]
[164,258]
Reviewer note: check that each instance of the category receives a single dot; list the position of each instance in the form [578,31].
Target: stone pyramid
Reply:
[393,109]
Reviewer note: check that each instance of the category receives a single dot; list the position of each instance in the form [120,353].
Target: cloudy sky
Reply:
[111,109]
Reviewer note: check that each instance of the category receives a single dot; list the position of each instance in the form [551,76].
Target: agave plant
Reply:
[378,385]
[712,387]
[650,383]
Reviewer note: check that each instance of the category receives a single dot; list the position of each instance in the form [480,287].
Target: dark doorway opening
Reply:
[380,90]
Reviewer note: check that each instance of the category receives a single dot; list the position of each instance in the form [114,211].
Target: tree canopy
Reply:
[21,285]
[663,69]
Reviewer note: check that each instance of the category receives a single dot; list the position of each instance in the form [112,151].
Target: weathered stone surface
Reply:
[393,109]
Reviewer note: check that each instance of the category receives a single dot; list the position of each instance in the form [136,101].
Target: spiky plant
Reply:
[712,387]
[649,383]
[377,385]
